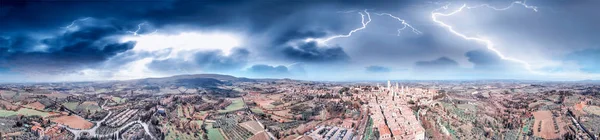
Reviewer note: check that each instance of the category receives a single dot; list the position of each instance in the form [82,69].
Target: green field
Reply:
[6,113]
[102,90]
[236,104]
[176,135]
[91,107]
[118,100]
[214,133]
[31,112]
[71,105]
[592,110]
[24,111]
[257,110]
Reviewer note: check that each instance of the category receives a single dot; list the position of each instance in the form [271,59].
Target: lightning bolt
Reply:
[75,22]
[488,43]
[135,33]
[402,21]
[138,29]
[365,22]
[364,25]
[522,3]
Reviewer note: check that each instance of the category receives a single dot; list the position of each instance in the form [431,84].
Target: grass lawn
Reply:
[236,104]
[214,133]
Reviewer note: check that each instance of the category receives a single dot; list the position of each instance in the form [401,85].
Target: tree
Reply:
[306,115]
[343,90]
[376,133]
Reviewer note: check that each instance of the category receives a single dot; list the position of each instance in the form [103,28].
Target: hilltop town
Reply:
[219,107]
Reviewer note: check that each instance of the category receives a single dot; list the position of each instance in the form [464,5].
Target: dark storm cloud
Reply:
[291,45]
[588,60]
[377,69]
[261,69]
[440,64]
[66,52]
[310,52]
[215,61]
[207,61]
[486,60]
[18,43]
[285,20]
[290,35]
[125,58]
[23,14]
[31,36]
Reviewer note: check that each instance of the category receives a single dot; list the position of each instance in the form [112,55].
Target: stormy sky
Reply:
[333,40]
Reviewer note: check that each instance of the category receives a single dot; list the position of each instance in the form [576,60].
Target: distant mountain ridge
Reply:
[196,76]
[590,81]
[205,80]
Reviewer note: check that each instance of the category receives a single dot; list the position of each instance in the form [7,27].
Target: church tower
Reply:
[389,86]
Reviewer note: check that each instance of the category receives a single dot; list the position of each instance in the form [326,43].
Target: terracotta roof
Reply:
[35,128]
[397,132]
[384,130]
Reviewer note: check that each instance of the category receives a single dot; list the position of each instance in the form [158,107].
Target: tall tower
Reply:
[389,87]
[402,90]
[396,88]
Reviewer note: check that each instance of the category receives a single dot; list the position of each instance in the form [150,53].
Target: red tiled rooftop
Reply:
[384,130]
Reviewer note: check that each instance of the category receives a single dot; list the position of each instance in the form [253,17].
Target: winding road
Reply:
[92,131]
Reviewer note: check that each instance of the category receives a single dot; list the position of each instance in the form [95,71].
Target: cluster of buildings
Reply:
[300,110]
[332,133]
[391,115]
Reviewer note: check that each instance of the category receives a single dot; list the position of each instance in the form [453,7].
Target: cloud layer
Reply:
[273,39]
